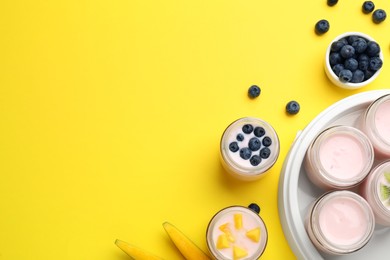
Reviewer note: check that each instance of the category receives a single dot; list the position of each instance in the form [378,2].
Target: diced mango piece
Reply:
[238,221]
[223,242]
[239,252]
[254,234]
[224,227]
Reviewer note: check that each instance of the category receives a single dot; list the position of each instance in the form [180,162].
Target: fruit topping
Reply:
[247,128]
[238,221]
[245,153]
[265,153]
[254,144]
[255,160]
[259,131]
[267,141]
[233,147]
[254,234]
[240,137]
[239,252]
[223,241]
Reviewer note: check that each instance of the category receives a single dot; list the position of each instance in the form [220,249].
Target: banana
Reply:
[187,248]
[135,252]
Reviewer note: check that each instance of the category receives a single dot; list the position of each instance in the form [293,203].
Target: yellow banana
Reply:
[135,252]
[187,248]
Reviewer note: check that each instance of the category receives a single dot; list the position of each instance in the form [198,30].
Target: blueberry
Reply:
[254,207]
[368,7]
[351,64]
[265,153]
[363,61]
[375,64]
[358,76]
[368,74]
[332,2]
[352,38]
[360,45]
[344,40]
[379,16]
[240,137]
[247,129]
[322,26]
[335,58]
[254,144]
[345,75]
[292,108]
[337,68]
[267,141]
[254,91]
[245,153]
[347,51]
[336,46]
[373,49]
[255,160]
[233,146]
[259,131]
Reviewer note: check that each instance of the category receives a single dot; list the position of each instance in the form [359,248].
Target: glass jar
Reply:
[376,190]
[237,232]
[340,222]
[340,157]
[249,147]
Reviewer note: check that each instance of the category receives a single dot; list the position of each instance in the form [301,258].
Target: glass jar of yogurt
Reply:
[340,223]
[376,190]
[237,232]
[340,157]
[249,147]
[376,125]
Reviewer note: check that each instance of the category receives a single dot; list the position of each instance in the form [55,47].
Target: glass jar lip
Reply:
[375,183]
[239,208]
[253,170]
[369,119]
[318,234]
[331,180]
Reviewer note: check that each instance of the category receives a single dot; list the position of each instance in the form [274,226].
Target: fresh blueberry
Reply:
[351,64]
[259,131]
[254,144]
[337,45]
[267,141]
[254,91]
[368,7]
[379,16]
[322,26]
[360,45]
[332,2]
[373,49]
[335,58]
[233,146]
[247,129]
[345,75]
[344,40]
[358,76]
[245,153]
[255,160]
[368,74]
[292,108]
[240,137]
[254,207]
[347,51]
[352,38]
[363,60]
[265,152]
[375,64]
[337,68]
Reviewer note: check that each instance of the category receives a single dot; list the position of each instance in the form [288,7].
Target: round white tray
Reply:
[296,192]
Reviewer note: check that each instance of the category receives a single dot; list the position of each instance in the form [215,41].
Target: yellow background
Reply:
[111,114]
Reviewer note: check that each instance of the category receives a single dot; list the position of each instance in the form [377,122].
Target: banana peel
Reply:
[135,252]
[187,248]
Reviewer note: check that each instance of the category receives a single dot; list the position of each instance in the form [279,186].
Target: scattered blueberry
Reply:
[345,75]
[254,144]
[351,64]
[259,131]
[265,152]
[267,141]
[321,27]
[339,67]
[375,64]
[233,146]
[332,2]
[254,207]
[292,107]
[357,76]
[360,45]
[245,153]
[347,51]
[368,7]
[247,129]
[254,91]
[379,16]
[373,49]
[255,160]
[240,137]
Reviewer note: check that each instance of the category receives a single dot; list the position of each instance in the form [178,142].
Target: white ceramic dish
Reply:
[296,192]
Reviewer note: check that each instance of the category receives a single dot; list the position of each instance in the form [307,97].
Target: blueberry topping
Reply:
[345,75]
[368,7]
[245,153]
[332,2]
[233,147]
[357,76]
[240,137]
[337,45]
[259,131]
[379,16]
[351,64]
[254,144]
[360,45]
[247,129]
[335,58]
[375,64]
[373,49]
[265,153]
[337,68]
[267,141]
[292,107]
[255,160]
[254,91]
[347,51]
[254,207]
[321,27]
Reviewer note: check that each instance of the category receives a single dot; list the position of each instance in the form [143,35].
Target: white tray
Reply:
[296,191]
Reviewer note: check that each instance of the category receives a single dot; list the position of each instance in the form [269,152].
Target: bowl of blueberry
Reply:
[353,60]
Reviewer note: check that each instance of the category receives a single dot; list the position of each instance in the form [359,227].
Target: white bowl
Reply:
[334,78]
